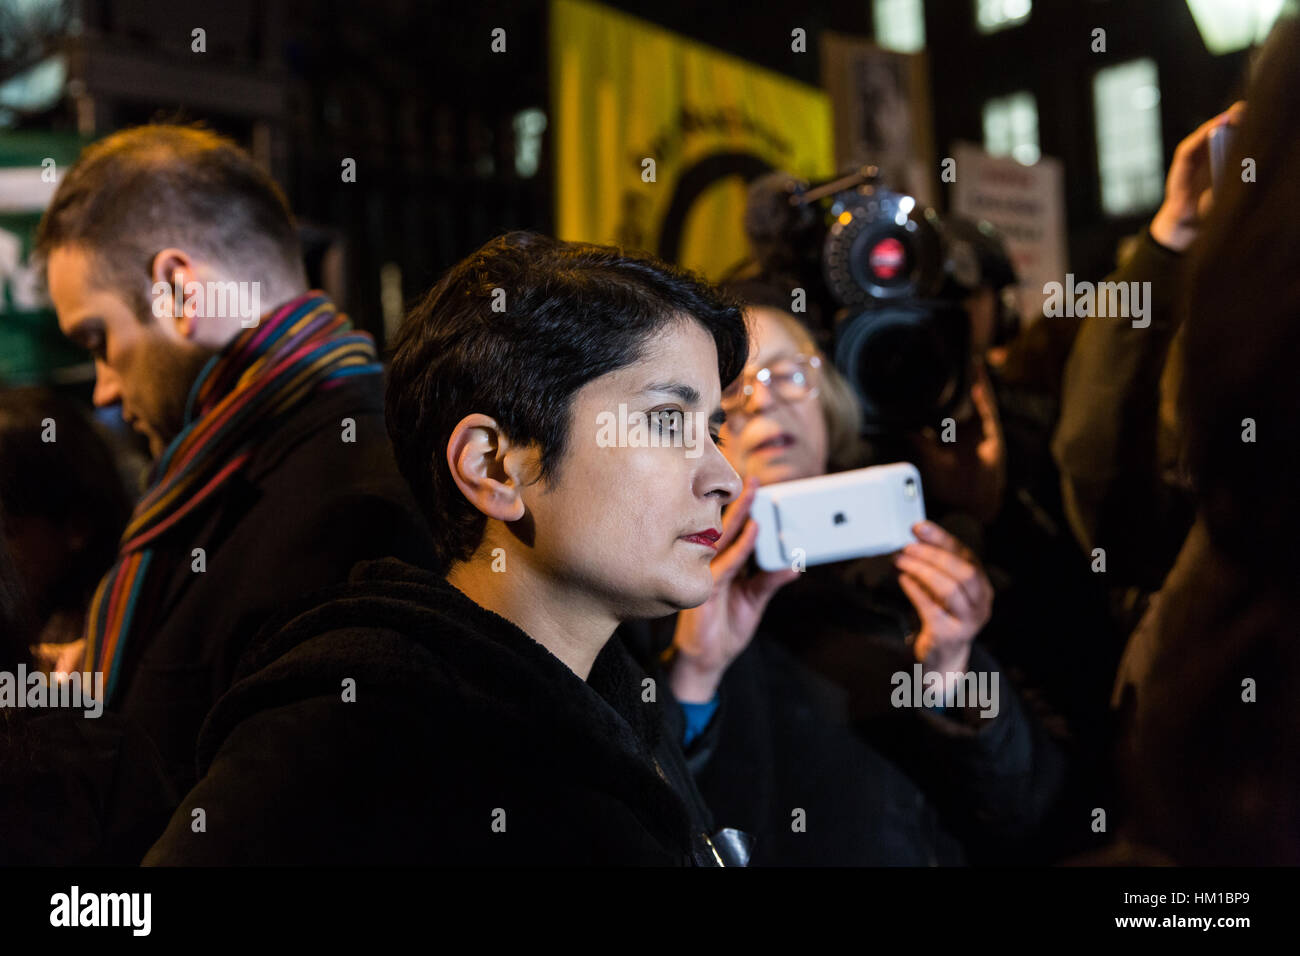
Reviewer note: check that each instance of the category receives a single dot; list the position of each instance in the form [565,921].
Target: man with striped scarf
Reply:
[273,473]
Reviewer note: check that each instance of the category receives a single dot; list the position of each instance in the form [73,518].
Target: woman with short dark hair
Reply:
[554,408]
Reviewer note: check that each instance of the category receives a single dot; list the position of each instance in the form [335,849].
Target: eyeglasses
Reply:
[793,379]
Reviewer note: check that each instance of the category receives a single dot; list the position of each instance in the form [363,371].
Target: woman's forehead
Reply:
[772,339]
[683,355]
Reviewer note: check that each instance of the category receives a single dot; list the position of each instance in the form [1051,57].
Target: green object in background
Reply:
[32,350]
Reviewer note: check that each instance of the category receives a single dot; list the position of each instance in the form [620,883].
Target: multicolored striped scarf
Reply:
[236,403]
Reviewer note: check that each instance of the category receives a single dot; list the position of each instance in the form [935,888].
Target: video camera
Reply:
[896,277]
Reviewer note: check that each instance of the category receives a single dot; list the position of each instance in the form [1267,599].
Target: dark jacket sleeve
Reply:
[256,805]
[990,778]
[787,768]
[1107,446]
[78,790]
[1209,772]
[993,777]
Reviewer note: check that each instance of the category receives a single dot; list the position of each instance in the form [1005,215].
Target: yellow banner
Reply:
[657,137]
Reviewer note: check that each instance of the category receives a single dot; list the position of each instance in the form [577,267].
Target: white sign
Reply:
[1027,205]
[25,189]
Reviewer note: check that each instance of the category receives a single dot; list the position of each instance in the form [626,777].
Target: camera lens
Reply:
[907,361]
[879,248]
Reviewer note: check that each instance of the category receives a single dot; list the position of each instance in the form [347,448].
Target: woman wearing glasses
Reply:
[785,677]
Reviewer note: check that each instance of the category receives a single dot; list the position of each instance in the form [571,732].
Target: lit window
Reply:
[993,15]
[529,124]
[1227,25]
[36,88]
[1126,102]
[1011,127]
[900,25]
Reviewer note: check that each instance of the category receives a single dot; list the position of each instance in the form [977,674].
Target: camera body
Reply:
[897,277]
[902,338]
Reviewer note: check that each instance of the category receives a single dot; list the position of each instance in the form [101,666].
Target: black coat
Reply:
[805,723]
[304,510]
[1210,764]
[779,746]
[993,780]
[460,721]
[78,790]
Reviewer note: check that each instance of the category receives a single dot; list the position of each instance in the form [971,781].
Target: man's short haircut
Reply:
[572,313]
[141,190]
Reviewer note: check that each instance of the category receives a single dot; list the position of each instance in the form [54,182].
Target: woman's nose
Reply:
[759,398]
[718,475]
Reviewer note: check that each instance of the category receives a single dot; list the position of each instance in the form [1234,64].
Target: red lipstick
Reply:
[707,538]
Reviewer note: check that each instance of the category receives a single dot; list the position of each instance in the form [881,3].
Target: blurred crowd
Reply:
[337,606]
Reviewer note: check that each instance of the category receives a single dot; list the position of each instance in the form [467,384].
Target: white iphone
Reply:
[850,514]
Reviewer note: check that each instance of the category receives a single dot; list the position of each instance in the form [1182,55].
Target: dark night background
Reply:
[412,92]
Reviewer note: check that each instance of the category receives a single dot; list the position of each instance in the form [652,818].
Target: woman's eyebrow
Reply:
[686,393]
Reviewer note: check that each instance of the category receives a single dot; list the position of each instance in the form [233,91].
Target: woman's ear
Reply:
[477,456]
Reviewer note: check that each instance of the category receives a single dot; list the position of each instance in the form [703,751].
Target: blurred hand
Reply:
[1187,188]
[945,583]
[59,658]
[709,637]
[970,473]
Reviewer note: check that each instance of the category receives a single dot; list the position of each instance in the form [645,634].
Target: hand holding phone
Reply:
[709,637]
[951,593]
[1188,187]
[850,514]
